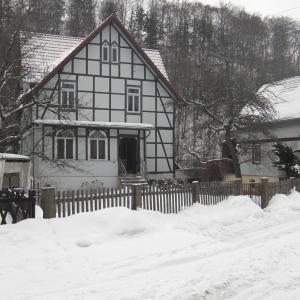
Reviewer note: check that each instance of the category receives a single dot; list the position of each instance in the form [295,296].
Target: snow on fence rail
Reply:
[166,199]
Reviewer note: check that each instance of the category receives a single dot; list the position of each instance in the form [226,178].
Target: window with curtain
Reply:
[97,145]
[68,89]
[105,52]
[115,52]
[133,99]
[65,144]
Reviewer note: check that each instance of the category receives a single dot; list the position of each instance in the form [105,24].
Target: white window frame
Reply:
[64,138]
[67,90]
[115,47]
[133,95]
[105,45]
[97,139]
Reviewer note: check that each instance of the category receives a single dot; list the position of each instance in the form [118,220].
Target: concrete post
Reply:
[238,187]
[195,191]
[136,196]
[264,192]
[48,203]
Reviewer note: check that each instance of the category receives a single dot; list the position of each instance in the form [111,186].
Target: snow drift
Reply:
[233,250]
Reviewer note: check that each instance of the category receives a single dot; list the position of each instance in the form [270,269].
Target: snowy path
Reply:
[230,251]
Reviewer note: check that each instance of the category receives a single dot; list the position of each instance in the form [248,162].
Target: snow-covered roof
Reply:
[76,123]
[285,95]
[155,56]
[44,51]
[13,157]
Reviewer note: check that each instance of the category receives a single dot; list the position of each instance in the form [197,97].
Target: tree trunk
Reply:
[232,151]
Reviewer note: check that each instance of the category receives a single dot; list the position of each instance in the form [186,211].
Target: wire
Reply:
[288,9]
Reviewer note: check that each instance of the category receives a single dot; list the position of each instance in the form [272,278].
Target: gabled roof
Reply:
[56,51]
[285,96]
[45,51]
[48,50]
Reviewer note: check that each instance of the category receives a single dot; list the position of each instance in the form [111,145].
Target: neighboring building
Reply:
[257,159]
[14,171]
[111,111]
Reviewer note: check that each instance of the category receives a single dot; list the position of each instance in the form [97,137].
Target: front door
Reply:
[129,154]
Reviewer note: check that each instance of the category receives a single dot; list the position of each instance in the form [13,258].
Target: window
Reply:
[133,99]
[67,94]
[115,51]
[97,145]
[105,53]
[256,154]
[10,180]
[65,144]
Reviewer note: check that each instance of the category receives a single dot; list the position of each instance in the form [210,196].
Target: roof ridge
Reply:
[53,34]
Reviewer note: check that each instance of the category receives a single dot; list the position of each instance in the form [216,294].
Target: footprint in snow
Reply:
[83,243]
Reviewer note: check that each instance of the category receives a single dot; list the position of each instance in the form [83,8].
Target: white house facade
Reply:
[111,110]
[257,159]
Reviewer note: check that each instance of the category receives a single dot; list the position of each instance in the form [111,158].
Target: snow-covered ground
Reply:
[233,250]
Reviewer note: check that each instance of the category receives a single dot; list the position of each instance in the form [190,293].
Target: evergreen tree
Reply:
[107,7]
[56,11]
[81,17]
[45,16]
[137,23]
[6,14]
[287,160]
[151,28]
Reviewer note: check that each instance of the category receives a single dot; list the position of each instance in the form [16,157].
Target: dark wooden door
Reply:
[129,154]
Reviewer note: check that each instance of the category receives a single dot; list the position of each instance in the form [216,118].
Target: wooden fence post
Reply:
[264,192]
[195,191]
[136,196]
[48,203]
[32,197]
[238,187]
[292,184]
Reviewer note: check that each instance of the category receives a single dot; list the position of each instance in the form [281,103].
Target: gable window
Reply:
[65,144]
[68,94]
[115,51]
[97,145]
[256,154]
[133,99]
[105,53]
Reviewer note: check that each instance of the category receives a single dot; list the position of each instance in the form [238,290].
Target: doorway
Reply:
[129,154]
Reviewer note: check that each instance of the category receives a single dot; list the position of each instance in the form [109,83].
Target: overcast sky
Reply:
[289,8]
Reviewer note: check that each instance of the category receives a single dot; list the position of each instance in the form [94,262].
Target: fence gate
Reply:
[16,206]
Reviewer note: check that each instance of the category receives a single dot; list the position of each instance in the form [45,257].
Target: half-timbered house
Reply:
[111,111]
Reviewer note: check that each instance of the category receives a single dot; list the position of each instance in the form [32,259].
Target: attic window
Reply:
[105,52]
[115,51]
[67,94]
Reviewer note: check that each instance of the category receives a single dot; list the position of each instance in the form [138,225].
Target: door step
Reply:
[133,180]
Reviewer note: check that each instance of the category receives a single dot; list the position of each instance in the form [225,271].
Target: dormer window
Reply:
[68,94]
[105,53]
[115,56]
